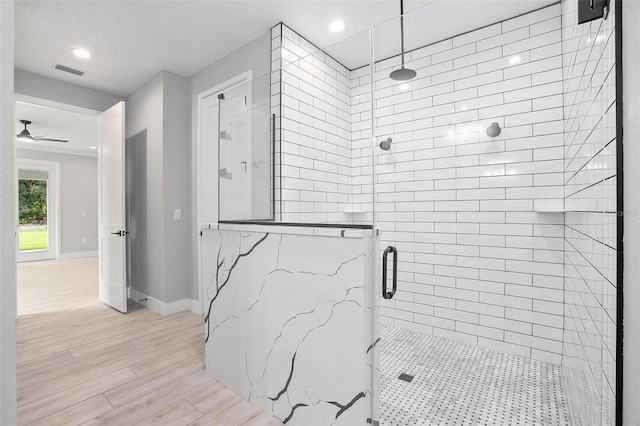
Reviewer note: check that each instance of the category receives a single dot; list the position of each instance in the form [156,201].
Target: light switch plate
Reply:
[177,214]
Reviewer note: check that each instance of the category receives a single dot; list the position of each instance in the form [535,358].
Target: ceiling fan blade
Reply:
[50,140]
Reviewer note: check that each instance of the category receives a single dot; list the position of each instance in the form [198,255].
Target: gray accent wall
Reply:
[175,159]
[255,56]
[78,193]
[157,170]
[39,86]
[143,150]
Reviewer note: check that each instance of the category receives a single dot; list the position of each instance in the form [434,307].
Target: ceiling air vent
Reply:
[69,70]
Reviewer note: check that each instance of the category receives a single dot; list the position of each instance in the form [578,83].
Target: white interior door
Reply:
[111,209]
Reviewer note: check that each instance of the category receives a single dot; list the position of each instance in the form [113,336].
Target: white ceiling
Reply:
[133,40]
[437,21]
[79,128]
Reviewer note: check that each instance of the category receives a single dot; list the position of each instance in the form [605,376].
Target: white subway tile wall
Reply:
[275,104]
[590,201]
[477,221]
[477,262]
[313,101]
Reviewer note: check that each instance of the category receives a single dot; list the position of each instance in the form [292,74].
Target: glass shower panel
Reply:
[245,153]
[469,190]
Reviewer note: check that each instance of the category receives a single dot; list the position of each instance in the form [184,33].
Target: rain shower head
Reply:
[402,74]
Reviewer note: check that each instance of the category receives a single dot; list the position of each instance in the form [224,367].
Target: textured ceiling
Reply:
[132,40]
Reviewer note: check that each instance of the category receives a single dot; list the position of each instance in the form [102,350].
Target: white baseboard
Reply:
[78,254]
[162,307]
[196,307]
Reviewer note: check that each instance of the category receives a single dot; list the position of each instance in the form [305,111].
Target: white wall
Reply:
[7,221]
[78,193]
[631,106]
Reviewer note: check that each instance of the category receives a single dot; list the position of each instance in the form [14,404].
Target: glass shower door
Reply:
[245,173]
[469,195]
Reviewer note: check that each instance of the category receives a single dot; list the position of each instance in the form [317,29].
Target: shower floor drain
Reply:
[406,377]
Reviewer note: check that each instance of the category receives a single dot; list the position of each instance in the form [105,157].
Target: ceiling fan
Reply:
[26,136]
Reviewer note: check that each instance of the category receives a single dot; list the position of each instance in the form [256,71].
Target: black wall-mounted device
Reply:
[588,10]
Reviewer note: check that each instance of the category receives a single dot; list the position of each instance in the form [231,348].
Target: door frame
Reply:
[232,83]
[53,208]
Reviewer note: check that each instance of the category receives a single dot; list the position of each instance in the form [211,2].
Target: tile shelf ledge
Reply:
[356,209]
[543,210]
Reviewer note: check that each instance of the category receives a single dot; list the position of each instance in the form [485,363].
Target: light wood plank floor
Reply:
[81,362]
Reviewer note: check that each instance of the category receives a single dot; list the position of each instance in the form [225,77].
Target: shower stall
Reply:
[432,250]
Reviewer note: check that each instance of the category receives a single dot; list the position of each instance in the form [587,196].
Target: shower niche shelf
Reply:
[356,209]
[224,174]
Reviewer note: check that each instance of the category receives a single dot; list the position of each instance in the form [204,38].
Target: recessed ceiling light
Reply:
[514,60]
[337,25]
[81,53]
[93,147]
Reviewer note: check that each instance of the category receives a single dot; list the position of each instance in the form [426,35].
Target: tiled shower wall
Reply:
[590,201]
[480,248]
[314,109]
[475,219]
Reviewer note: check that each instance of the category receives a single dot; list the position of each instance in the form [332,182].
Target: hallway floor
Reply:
[81,362]
[458,384]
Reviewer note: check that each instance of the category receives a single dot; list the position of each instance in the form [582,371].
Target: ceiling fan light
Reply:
[25,136]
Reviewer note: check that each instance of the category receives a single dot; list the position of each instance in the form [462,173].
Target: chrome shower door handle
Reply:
[394,278]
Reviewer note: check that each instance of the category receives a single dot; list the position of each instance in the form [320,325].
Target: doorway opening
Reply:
[32,214]
[38,210]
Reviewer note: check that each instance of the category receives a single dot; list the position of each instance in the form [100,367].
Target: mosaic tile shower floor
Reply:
[459,384]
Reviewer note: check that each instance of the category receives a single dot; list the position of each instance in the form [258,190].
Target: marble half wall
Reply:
[289,324]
